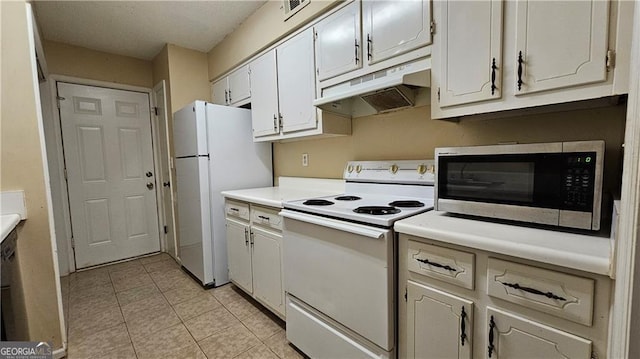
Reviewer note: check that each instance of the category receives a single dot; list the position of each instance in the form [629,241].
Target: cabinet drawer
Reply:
[236,209]
[266,217]
[559,294]
[449,265]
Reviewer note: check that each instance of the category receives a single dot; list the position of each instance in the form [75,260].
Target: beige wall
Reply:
[263,28]
[188,75]
[22,168]
[411,134]
[70,60]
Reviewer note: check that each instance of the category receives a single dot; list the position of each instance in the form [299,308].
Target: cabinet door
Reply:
[439,324]
[514,337]
[560,44]
[264,95]
[219,94]
[470,61]
[239,86]
[339,42]
[296,83]
[239,255]
[267,269]
[395,27]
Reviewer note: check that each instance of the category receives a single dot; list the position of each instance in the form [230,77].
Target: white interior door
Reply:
[165,168]
[110,173]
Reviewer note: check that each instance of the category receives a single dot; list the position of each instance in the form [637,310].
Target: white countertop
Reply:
[290,189]
[582,252]
[7,223]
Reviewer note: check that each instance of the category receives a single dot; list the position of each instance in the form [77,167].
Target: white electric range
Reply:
[340,259]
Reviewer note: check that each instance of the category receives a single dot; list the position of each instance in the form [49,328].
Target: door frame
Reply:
[63,189]
[163,244]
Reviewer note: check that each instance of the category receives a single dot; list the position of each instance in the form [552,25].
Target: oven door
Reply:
[343,270]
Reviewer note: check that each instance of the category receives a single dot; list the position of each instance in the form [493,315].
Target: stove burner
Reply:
[317,202]
[406,204]
[376,210]
[348,198]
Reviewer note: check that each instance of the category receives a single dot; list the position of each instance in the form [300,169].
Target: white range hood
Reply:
[383,91]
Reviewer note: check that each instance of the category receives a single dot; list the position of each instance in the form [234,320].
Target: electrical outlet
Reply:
[305,160]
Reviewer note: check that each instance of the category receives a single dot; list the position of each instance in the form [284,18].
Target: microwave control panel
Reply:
[579,181]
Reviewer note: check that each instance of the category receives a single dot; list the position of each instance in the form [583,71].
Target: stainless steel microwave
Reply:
[558,184]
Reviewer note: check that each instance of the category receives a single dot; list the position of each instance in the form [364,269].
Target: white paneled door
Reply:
[110,173]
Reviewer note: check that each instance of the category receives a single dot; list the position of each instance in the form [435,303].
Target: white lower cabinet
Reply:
[518,309]
[239,253]
[267,269]
[439,324]
[515,337]
[254,250]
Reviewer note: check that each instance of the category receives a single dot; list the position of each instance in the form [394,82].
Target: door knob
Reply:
[166,184]
[149,174]
[150,185]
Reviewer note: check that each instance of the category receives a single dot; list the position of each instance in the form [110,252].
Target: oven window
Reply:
[506,181]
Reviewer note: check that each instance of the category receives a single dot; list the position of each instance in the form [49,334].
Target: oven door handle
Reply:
[335,224]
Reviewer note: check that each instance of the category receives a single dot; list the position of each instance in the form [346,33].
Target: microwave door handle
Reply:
[338,225]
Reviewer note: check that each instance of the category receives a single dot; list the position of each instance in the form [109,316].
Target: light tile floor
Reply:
[150,308]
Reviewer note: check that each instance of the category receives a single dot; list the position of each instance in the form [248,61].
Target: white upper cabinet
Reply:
[560,44]
[239,85]
[283,87]
[471,61]
[296,83]
[339,42]
[264,99]
[233,90]
[219,92]
[392,28]
[546,52]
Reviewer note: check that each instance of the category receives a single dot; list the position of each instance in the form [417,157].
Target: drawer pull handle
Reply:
[533,291]
[463,335]
[434,264]
[246,237]
[264,218]
[492,325]
[234,209]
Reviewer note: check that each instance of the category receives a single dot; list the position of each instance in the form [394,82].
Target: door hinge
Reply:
[73,242]
[433,27]
[611,59]
[438,94]
[315,34]
[58,99]
[155,110]
[166,230]
[405,294]
[194,109]
[65,174]
[594,355]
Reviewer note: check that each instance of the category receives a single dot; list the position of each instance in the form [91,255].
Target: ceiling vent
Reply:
[291,7]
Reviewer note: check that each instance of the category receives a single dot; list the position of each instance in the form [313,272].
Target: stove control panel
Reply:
[409,172]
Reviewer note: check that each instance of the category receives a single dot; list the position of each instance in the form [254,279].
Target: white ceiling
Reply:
[141,28]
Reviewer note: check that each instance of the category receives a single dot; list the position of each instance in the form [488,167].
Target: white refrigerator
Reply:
[214,152]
